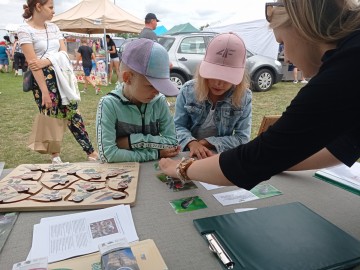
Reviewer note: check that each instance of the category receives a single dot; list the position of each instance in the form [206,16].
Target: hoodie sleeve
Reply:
[106,138]
[165,126]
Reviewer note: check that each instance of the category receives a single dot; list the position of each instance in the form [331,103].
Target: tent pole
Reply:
[106,55]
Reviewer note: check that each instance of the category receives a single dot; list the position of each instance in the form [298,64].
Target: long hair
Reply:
[30,6]
[325,21]
[202,89]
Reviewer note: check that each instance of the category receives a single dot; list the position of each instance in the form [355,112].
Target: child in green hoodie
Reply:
[133,122]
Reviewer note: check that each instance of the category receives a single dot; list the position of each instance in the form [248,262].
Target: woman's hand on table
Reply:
[168,166]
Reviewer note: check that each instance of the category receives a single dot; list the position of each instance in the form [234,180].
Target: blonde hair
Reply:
[202,89]
[325,21]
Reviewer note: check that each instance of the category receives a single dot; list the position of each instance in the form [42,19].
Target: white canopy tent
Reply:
[257,36]
[97,16]
[9,30]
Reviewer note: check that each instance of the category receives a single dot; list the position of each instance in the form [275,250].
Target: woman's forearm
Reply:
[39,77]
[208,170]
[319,160]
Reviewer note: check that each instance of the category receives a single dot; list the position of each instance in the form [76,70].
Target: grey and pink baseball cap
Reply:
[150,59]
[224,59]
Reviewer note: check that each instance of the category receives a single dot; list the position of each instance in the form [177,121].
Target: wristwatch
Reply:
[181,169]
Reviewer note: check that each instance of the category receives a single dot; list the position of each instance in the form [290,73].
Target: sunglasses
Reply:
[269,8]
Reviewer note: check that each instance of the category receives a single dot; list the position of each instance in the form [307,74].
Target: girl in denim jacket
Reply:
[213,111]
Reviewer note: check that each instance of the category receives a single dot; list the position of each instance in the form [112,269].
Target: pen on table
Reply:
[217,248]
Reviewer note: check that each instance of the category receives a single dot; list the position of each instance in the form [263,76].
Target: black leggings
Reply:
[19,58]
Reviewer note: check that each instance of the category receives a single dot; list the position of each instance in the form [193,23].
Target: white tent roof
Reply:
[12,27]
[93,16]
[257,36]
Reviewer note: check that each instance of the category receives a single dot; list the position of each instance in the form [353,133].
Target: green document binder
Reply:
[283,237]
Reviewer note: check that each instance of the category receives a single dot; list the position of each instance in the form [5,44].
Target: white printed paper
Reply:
[35,264]
[235,196]
[63,237]
[210,186]
[343,174]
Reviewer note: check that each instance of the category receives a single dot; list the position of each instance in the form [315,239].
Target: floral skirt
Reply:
[70,112]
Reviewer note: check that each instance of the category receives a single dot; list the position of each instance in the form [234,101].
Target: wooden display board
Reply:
[69,186]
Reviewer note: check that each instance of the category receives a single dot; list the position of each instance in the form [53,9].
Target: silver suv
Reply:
[186,50]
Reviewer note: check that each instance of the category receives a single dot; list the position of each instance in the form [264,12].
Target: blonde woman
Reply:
[320,127]
[213,111]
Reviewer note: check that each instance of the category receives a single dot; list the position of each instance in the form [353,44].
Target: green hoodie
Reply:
[149,128]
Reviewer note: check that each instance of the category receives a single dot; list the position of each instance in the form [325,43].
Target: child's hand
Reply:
[169,152]
[198,150]
[123,142]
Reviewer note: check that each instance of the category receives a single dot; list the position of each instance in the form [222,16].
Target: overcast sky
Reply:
[169,12]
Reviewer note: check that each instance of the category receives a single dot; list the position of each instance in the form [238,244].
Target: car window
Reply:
[118,42]
[192,45]
[122,47]
[166,42]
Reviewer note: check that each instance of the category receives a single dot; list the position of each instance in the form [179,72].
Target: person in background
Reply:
[213,111]
[4,57]
[18,56]
[150,25]
[41,41]
[85,53]
[114,59]
[133,122]
[295,71]
[322,38]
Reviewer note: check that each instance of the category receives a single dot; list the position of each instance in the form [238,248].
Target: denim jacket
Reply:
[233,124]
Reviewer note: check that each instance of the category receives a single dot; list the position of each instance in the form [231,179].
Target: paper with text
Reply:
[67,236]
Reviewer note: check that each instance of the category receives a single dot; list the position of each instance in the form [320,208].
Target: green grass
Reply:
[18,109]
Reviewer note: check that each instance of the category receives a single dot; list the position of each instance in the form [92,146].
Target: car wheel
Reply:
[263,80]
[177,79]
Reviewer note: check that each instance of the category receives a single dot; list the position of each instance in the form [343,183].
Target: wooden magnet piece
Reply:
[55,198]
[119,196]
[96,176]
[78,199]
[91,188]
[71,172]
[34,168]
[21,189]
[63,181]
[122,185]
[112,174]
[27,177]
